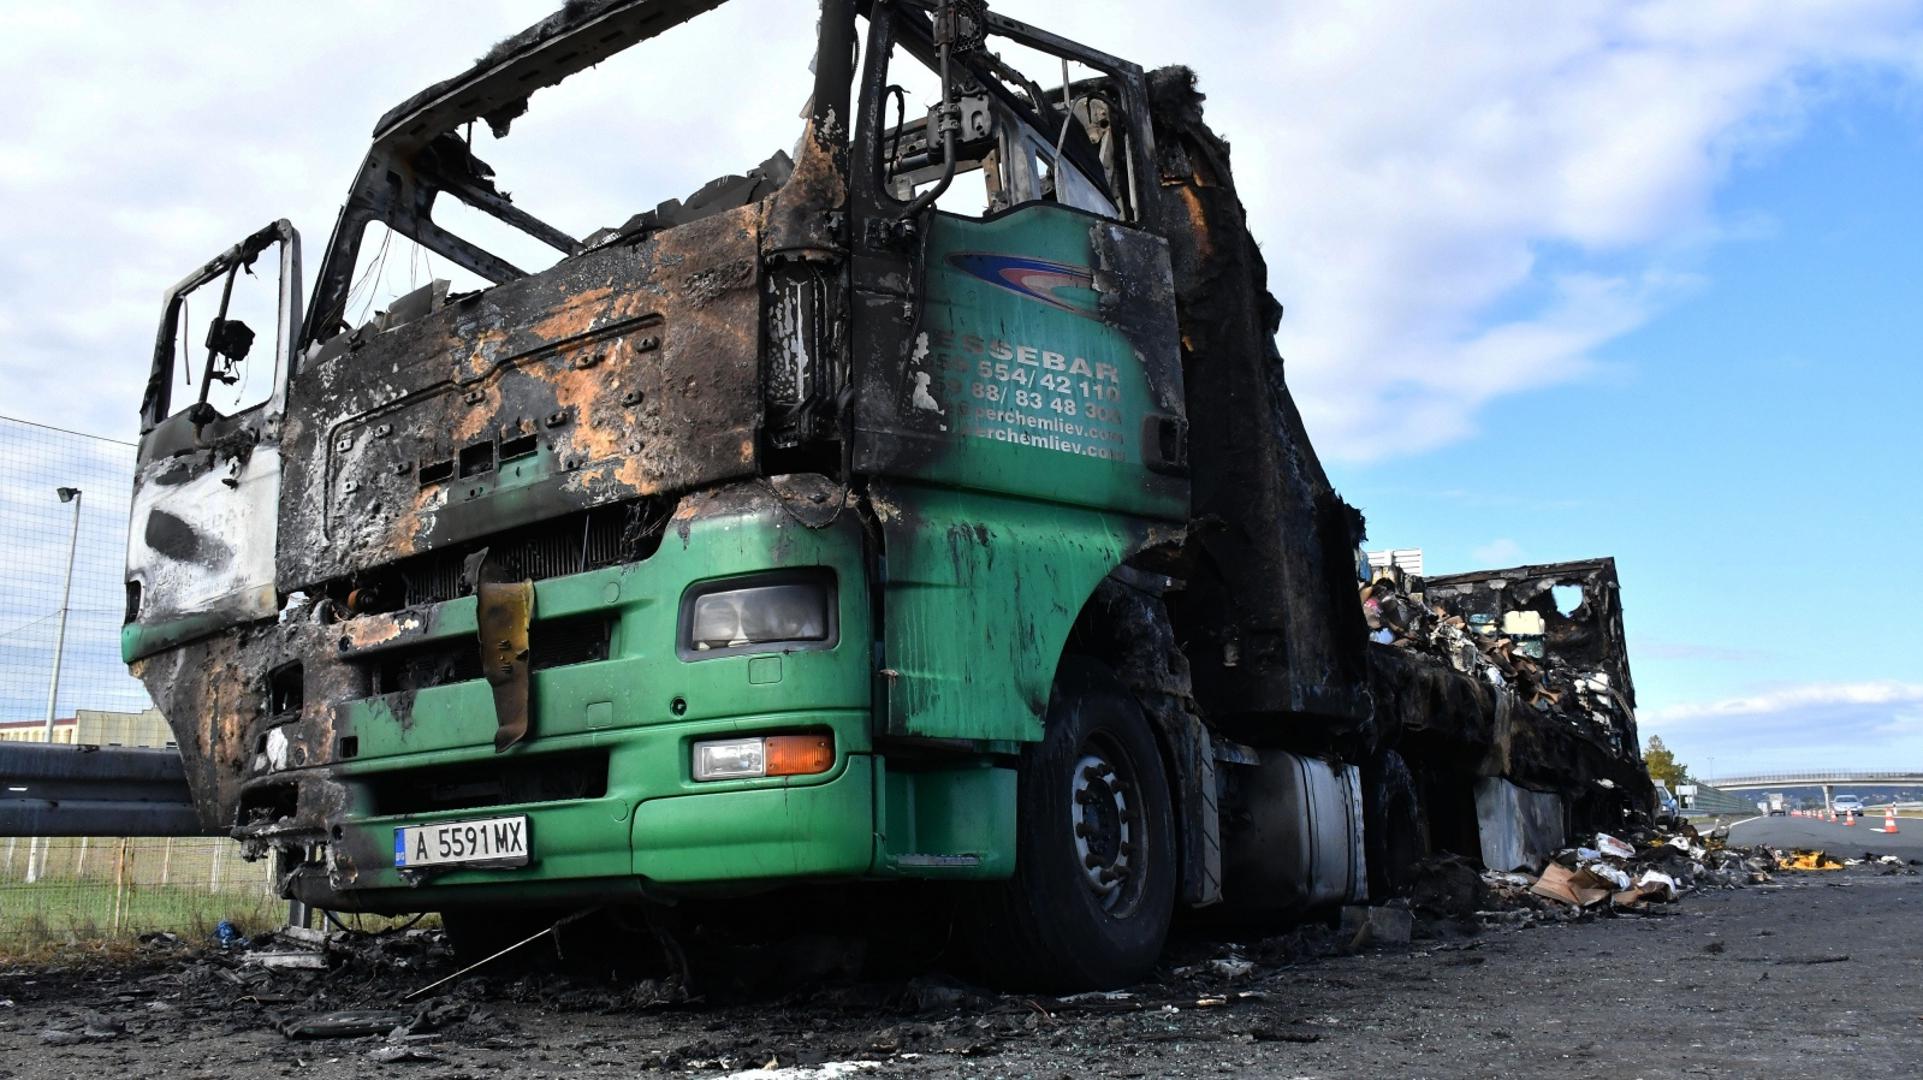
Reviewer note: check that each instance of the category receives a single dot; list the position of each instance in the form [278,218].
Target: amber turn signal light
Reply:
[800,755]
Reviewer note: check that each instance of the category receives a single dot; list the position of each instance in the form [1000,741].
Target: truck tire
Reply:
[1095,874]
[1395,833]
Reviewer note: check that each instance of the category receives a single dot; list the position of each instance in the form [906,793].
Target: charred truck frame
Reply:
[808,532]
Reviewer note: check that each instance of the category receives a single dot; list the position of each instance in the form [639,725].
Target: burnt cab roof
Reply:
[496,89]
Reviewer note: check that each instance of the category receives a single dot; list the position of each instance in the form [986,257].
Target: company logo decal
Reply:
[1059,285]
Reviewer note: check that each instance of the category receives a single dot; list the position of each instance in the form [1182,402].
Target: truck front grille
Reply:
[552,643]
[536,779]
[605,536]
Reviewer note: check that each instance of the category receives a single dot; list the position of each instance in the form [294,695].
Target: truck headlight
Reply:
[772,755]
[753,613]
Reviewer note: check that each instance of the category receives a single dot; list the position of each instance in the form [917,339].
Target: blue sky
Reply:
[1749,456]
[1599,277]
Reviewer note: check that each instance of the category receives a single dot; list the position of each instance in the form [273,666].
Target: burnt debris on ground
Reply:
[1227,985]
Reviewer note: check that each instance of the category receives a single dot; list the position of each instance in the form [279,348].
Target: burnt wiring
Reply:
[376,274]
[186,336]
[893,155]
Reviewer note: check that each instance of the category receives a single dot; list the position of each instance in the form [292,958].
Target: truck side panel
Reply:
[1269,614]
[979,597]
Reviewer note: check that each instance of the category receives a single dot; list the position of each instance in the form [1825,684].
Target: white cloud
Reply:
[1790,700]
[1423,176]
[1859,725]
[1458,201]
[141,140]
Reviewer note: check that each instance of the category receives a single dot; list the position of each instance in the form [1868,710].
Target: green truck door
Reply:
[1035,440]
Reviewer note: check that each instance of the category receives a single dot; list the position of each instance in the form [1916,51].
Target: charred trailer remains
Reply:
[924,503]
[1543,718]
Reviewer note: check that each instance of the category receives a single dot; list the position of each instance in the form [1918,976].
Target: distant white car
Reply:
[1848,804]
[1668,813]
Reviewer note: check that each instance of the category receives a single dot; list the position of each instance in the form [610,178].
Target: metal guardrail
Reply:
[1710,800]
[94,791]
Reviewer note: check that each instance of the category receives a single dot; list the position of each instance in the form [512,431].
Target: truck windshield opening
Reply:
[652,139]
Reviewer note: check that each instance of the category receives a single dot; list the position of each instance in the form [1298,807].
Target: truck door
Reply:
[1041,355]
[1016,355]
[200,544]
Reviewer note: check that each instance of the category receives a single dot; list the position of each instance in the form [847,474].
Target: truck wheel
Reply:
[1094,885]
[1395,835]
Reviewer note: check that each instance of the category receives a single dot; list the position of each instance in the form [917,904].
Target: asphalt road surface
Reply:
[1837,839]
[1817,973]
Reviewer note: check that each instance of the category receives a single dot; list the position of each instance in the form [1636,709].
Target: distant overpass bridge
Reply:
[1827,778]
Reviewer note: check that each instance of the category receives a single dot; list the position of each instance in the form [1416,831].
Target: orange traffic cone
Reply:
[1849,818]
[1889,818]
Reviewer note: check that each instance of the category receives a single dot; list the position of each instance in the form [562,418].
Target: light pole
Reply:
[72,495]
[37,846]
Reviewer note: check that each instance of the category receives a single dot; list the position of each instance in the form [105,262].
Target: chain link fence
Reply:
[38,464]
[64,498]
[91,888]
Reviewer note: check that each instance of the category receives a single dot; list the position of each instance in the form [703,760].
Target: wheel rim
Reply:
[1105,813]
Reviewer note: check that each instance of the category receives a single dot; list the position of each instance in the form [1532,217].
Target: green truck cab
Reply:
[822,527]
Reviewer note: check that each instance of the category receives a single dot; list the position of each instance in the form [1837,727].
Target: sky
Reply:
[1588,278]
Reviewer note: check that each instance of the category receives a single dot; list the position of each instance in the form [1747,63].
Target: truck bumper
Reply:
[656,833]
[654,828]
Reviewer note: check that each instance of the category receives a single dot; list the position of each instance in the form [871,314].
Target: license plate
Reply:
[501,841]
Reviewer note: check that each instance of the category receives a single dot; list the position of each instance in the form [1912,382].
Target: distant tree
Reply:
[1662,764]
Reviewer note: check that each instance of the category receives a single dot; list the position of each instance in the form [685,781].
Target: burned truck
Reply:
[923,505]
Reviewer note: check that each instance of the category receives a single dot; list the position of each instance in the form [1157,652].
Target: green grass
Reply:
[54,913]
